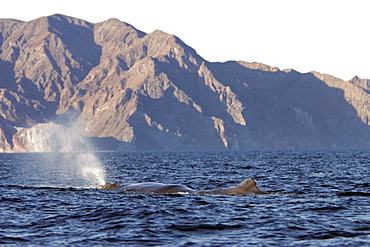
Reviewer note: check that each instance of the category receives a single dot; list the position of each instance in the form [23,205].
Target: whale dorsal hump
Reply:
[248,186]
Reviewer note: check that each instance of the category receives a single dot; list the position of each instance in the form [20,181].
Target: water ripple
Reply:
[320,199]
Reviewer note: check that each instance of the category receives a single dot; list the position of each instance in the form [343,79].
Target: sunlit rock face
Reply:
[136,91]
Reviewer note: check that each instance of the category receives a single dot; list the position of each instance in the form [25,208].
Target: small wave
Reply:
[328,208]
[353,193]
[329,235]
[11,240]
[114,227]
[218,226]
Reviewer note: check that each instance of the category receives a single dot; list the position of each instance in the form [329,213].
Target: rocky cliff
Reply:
[128,90]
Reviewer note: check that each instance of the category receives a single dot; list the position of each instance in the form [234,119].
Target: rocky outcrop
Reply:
[363,83]
[134,91]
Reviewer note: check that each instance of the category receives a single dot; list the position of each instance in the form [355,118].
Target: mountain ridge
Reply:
[128,90]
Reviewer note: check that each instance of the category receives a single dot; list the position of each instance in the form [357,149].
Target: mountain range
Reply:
[67,84]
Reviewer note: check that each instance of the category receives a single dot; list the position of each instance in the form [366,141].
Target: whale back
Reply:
[248,186]
[148,187]
[157,188]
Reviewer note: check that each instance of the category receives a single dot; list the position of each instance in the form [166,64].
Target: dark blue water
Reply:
[321,198]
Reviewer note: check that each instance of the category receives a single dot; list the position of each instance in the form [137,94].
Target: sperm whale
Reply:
[247,186]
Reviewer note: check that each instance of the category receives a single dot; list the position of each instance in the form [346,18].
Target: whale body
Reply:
[248,186]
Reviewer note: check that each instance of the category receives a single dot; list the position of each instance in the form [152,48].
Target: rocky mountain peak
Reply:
[363,83]
[116,33]
[167,46]
[355,79]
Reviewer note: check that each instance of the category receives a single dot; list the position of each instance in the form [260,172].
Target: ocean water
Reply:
[320,198]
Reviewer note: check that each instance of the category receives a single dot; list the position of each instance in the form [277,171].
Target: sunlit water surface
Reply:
[320,198]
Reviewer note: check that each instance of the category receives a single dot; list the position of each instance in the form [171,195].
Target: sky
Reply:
[327,36]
